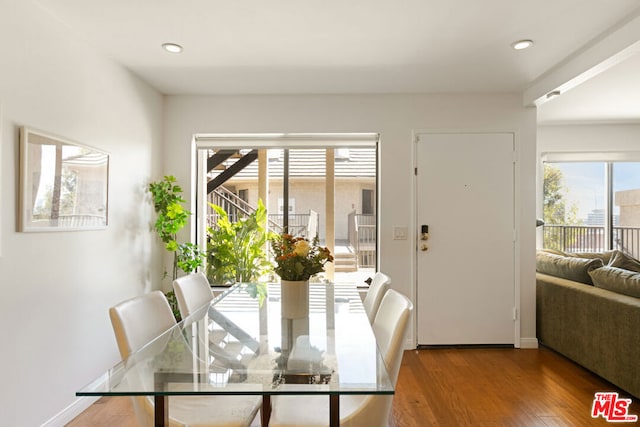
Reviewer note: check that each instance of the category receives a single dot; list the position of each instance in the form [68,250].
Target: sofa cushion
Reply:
[627,262]
[617,280]
[567,267]
[553,251]
[605,256]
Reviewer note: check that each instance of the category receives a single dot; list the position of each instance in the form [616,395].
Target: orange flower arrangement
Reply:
[297,259]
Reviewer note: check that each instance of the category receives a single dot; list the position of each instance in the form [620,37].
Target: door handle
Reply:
[424,232]
[424,236]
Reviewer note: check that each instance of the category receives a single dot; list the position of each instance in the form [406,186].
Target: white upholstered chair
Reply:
[379,285]
[138,321]
[192,292]
[389,327]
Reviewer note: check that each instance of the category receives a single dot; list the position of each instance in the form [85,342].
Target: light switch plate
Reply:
[400,233]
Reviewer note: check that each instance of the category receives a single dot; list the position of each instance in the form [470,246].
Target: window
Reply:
[592,206]
[368,202]
[310,184]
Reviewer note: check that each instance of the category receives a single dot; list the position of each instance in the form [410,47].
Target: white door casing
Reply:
[466,278]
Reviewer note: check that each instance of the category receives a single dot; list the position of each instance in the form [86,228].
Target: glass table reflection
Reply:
[238,345]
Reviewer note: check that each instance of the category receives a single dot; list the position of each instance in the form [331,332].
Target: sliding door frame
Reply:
[285,141]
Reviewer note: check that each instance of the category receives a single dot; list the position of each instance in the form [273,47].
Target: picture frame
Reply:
[64,185]
[2,203]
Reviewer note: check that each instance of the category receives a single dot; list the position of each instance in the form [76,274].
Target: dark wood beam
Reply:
[231,171]
[219,157]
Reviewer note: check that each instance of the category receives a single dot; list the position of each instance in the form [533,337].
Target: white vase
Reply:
[294,298]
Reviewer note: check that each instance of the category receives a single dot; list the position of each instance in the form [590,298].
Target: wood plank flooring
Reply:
[495,387]
[462,387]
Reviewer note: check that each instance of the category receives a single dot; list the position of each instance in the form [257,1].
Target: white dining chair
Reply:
[192,292]
[138,321]
[228,344]
[379,285]
[390,327]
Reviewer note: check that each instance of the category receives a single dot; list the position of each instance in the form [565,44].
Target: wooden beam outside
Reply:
[219,157]
[231,171]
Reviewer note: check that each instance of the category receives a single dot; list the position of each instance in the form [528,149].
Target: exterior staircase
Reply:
[358,251]
[345,259]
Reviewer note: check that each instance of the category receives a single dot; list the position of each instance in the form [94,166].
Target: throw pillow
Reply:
[553,251]
[566,267]
[627,262]
[605,256]
[617,280]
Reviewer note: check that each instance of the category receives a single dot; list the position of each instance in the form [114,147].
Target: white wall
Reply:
[589,137]
[56,287]
[396,117]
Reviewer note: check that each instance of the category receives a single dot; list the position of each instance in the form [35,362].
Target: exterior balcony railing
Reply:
[582,238]
[362,237]
[299,224]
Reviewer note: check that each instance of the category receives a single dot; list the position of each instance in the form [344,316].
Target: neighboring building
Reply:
[355,185]
[596,218]
[629,203]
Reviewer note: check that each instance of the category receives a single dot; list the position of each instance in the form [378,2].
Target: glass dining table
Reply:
[240,344]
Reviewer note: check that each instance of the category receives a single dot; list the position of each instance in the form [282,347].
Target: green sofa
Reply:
[597,328]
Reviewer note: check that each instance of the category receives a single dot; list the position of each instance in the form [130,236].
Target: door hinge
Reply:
[415,171]
[515,313]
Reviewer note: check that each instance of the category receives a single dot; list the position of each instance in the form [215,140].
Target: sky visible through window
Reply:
[585,184]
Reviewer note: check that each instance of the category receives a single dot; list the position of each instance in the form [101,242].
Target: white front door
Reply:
[465,277]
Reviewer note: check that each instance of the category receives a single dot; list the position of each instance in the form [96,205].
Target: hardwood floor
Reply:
[462,387]
[495,387]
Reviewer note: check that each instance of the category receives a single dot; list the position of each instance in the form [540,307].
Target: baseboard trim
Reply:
[70,412]
[528,343]
[75,408]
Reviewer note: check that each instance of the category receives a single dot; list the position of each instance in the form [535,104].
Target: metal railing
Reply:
[361,231]
[581,238]
[299,224]
[362,238]
[305,225]
[235,207]
[627,239]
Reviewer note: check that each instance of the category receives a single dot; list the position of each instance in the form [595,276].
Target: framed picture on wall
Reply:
[63,184]
[2,202]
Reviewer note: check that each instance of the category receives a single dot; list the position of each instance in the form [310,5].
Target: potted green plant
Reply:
[236,251]
[172,217]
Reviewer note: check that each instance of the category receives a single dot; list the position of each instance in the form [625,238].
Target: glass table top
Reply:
[240,345]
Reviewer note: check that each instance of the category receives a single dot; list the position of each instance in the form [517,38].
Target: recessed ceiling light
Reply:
[553,94]
[522,44]
[172,47]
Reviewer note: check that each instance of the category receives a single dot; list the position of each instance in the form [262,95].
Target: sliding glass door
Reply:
[311,185]
[592,206]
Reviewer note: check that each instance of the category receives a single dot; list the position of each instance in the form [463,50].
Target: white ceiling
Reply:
[612,96]
[359,46]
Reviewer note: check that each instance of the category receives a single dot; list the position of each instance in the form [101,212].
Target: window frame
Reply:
[609,159]
[277,141]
